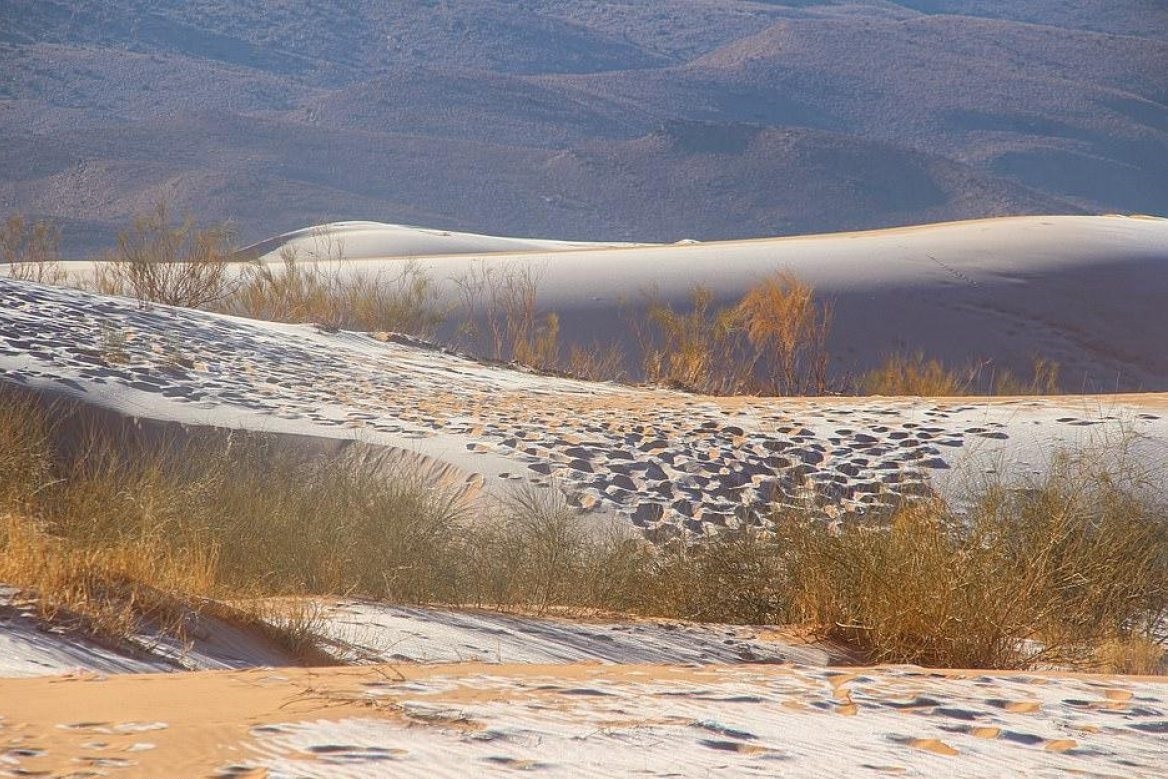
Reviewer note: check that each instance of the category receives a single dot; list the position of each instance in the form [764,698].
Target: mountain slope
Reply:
[562,118]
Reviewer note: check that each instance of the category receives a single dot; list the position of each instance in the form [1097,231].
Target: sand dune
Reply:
[661,461]
[565,698]
[368,632]
[1084,292]
[371,240]
[585,720]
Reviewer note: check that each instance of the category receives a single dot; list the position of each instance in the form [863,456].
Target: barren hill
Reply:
[588,120]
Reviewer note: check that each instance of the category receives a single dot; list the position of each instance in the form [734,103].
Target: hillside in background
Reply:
[603,120]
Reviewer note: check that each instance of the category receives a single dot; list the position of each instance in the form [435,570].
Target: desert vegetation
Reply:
[177,264]
[30,250]
[311,290]
[901,374]
[772,341]
[109,533]
[497,315]
[1042,574]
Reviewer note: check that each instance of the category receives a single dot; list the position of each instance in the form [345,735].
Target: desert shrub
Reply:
[1032,576]
[111,531]
[177,264]
[346,522]
[498,313]
[915,375]
[105,587]
[688,349]
[772,342]
[293,292]
[29,250]
[1044,380]
[303,290]
[787,328]
[739,576]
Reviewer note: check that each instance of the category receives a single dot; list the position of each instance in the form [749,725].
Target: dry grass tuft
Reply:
[915,375]
[317,290]
[537,553]
[739,576]
[1044,575]
[1044,380]
[1132,655]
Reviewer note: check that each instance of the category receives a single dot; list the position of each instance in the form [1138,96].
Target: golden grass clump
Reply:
[914,375]
[917,375]
[1042,575]
[108,588]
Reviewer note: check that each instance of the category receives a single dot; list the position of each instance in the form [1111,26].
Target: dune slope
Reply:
[1085,292]
[668,462]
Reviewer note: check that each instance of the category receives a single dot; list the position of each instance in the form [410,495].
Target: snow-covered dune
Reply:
[1085,292]
[371,240]
[586,720]
[659,460]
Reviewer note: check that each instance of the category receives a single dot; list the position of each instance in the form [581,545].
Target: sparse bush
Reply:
[531,553]
[29,251]
[596,363]
[772,342]
[915,375]
[1044,575]
[107,587]
[298,290]
[1136,655]
[498,312]
[690,349]
[788,331]
[176,264]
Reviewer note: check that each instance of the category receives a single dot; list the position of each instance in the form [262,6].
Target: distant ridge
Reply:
[606,120]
